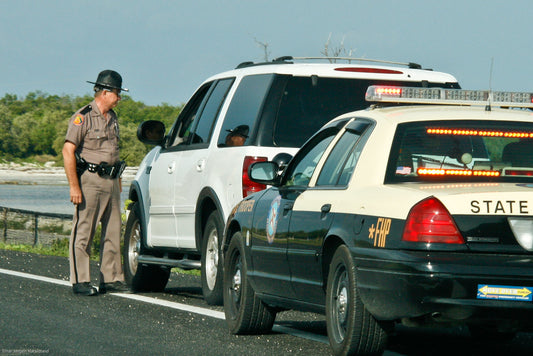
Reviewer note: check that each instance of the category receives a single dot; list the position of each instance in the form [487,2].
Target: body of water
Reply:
[41,198]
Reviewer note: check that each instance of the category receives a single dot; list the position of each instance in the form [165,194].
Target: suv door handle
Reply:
[200,165]
[171,167]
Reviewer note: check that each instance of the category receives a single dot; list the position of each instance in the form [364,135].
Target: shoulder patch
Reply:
[78,120]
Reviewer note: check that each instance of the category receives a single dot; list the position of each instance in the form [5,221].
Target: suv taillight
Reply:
[249,187]
[430,222]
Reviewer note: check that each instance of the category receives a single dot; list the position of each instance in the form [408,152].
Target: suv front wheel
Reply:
[140,277]
[211,267]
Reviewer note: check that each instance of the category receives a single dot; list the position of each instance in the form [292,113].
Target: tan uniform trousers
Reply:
[101,203]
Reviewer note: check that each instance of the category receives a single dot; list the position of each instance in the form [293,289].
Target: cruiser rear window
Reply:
[462,151]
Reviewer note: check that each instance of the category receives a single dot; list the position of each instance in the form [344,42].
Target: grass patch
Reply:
[58,248]
[192,272]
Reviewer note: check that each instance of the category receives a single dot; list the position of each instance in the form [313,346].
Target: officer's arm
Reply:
[69,160]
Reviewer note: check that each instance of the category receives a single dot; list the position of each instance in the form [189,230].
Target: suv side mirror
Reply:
[151,132]
[264,173]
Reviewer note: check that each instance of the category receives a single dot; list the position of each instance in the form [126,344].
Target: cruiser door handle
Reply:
[287,207]
[324,210]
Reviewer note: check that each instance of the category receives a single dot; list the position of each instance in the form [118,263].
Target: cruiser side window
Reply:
[303,165]
[340,164]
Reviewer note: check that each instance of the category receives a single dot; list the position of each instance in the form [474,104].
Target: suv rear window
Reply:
[308,103]
[462,151]
[245,105]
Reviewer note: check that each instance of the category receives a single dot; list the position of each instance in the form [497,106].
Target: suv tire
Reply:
[211,270]
[140,277]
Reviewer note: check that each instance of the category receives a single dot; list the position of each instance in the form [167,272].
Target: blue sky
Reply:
[165,49]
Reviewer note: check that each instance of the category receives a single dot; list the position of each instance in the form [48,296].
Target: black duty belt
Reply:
[103,169]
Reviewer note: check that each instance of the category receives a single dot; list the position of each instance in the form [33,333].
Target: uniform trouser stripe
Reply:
[73,245]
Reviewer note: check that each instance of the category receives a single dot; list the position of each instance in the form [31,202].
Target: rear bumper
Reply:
[409,284]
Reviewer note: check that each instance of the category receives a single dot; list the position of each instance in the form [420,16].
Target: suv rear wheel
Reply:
[211,267]
[140,277]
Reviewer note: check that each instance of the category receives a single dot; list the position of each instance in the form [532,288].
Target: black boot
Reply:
[84,289]
[115,287]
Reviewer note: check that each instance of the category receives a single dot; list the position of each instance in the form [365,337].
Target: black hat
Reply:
[241,130]
[109,79]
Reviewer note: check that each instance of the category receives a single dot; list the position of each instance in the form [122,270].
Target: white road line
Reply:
[178,306]
[35,277]
[173,305]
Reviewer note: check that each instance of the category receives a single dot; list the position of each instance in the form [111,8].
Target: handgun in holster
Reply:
[81,164]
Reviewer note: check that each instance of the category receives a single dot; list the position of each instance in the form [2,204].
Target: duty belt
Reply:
[103,169]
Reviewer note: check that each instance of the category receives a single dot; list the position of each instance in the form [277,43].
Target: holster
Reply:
[103,169]
[81,164]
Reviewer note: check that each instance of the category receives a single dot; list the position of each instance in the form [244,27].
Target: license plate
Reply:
[486,291]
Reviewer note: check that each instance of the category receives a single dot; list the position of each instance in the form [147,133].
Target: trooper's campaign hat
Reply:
[109,79]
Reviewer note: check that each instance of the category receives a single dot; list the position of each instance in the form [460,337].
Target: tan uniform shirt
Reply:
[96,138]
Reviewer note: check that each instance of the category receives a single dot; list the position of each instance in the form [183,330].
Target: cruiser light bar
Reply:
[392,94]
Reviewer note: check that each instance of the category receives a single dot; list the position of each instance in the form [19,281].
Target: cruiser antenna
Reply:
[488,107]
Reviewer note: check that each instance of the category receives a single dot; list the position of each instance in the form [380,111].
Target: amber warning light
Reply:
[483,133]
[456,172]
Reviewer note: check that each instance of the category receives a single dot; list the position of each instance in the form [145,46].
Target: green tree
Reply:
[36,125]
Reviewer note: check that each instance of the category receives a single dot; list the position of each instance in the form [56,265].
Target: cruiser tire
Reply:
[351,328]
[245,312]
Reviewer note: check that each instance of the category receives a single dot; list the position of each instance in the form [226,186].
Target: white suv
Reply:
[188,184]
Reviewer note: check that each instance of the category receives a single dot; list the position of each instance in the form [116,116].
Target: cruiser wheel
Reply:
[351,328]
[245,312]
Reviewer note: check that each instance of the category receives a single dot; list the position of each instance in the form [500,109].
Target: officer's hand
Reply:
[75,195]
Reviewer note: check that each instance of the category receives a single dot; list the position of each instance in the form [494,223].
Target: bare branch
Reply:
[264,45]
[339,51]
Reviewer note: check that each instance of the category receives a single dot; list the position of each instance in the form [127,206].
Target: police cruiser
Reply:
[413,214]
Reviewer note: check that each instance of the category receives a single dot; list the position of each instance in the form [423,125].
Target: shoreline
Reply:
[47,174]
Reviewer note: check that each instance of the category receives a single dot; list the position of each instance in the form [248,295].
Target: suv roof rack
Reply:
[349,59]
[286,59]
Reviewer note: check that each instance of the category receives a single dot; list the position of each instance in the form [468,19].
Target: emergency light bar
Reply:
[392,94]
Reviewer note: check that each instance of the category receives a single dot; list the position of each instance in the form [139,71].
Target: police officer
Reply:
[93,169]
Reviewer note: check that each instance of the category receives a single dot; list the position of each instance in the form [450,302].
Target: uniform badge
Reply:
[78,120]
[272,220]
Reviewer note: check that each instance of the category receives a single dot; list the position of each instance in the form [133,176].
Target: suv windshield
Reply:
[462,151]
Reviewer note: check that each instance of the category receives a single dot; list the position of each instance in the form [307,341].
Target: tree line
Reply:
[33,128]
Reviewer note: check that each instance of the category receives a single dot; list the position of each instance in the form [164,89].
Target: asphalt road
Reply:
[40,315]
